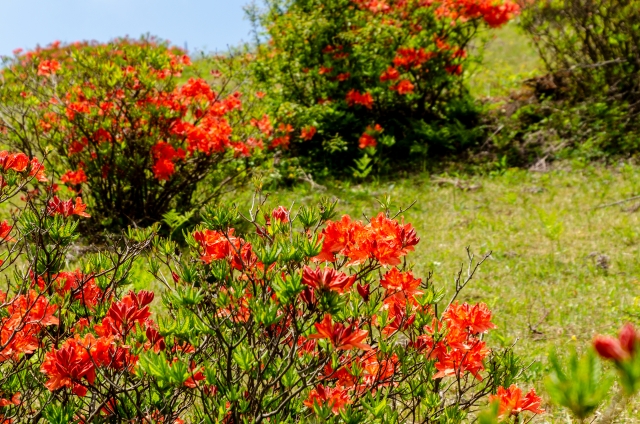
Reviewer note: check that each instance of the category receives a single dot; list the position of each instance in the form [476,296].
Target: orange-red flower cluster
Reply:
[411,58]
[280,214]
[354,97]
[495,14]
[26,315]
[216,245]
[67,208]
[513,403]
[403,87]
[341,337]
[19,162]
[48,67]
[308,133]
[457,348]
[327,279]
[74,177]
[335,398]
[367,140]
[5,230]
[165,155]
[384,240]
[74,364]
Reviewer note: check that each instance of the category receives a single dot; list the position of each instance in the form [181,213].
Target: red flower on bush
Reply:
[468,358]
[308,133]
[383,239]
[475,319]
[367,140]
[73,364]
[411,57]
[48,67]
[403,87]
[513,403]
[400,287]
[5,230]
[341,337]
[67,208]
[74,177]
[27,315]
[335,398]
[327,279]
[618,349]
[280,214]
[123,315]
[391,74]
[354,97]
[14,161]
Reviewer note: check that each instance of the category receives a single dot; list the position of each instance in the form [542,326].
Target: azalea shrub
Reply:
[383,79]
[44,307]
[301,317]
[131,124]
[305,317]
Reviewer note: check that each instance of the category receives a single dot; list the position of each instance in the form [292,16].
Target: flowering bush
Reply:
[353,75]
[122,128]
[303,317]
[292,322]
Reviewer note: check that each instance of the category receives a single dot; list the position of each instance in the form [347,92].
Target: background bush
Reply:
[364,75]
[124,126]
[591,50]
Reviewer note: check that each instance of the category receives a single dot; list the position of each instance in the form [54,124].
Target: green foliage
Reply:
[580,385]
[593,44]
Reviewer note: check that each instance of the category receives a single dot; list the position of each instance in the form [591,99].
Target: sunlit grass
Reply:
[509,58]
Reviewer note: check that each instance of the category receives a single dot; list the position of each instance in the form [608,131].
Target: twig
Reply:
[619,202]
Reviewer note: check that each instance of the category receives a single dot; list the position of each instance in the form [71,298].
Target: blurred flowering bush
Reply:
[125,126]
[303,318]
[385,76]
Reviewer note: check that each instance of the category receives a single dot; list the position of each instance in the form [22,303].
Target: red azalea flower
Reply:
[356,98]
[280,214]
[618,349]
[74,177]
[403,87]
[336,398]
[308,133]
[341,337]
[67,208]
[367,140]
[327,279]
[5,229]
[512,402]
[474,319]
[48,67]
[391,74]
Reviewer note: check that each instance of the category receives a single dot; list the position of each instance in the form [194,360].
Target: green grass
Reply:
[561,270]
[509,58]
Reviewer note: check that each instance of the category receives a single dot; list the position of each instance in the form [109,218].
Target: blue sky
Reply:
[203,24]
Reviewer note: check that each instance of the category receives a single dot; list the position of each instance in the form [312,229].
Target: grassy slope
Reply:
[543,281]
[508,59]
